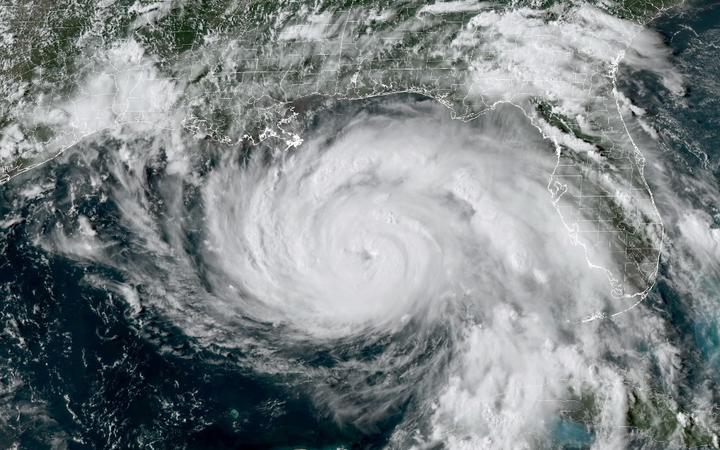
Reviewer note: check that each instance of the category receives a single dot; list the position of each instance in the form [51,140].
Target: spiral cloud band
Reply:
[393,221]
[448,225]
[389,217]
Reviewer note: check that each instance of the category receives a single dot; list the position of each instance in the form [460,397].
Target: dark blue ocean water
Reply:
[689,133]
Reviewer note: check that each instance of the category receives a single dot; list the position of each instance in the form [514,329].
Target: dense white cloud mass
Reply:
[482,279]
[394,220]
[386,218]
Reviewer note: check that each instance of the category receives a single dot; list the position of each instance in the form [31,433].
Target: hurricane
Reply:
[285,225]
